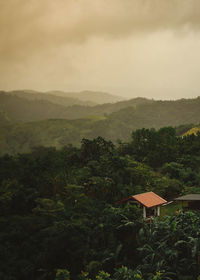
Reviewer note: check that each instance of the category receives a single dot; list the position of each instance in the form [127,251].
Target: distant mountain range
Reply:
[88,98]
[34,106]
[93,97]
[26,122]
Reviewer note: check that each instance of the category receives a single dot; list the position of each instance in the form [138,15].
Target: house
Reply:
[191,201]
[150,202]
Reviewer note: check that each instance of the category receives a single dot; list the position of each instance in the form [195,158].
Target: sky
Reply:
[131,48]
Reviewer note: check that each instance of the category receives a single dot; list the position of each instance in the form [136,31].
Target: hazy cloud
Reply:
[55,43]
[28,25]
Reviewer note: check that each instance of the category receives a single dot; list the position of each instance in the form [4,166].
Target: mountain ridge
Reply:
[118,125]
[88,98]
[29,108]
[97,97]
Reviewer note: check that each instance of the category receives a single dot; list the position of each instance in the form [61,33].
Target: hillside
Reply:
[57,131]
[85,98]
[4,118]
[51,97]
[161,113]
[77,111]
[60,220]
[21,137]
[90,96]
[23,109]
[25,106]
[29,106]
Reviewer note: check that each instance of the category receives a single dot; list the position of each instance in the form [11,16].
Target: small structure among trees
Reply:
[150,202]
[191,201]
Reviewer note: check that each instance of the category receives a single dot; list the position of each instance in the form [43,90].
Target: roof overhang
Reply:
[189,197]
[148,199]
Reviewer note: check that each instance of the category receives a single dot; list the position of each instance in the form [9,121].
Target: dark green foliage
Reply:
[172,246]
[58,210]
[155,147]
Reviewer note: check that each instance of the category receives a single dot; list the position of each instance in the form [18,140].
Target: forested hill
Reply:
[77,111]
[58,210]
[22,109]
[20,137]
[4,118]
[84,98]
[95,97]
[51,97]
[28,106]
[161,113]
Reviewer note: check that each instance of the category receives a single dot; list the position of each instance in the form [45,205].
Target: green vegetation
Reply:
[26,106]
[59,220]
[88,96]
[25,123]
[172,208]
[3,118]
[50,97]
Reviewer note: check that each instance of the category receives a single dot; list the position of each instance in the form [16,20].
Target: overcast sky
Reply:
[131,48]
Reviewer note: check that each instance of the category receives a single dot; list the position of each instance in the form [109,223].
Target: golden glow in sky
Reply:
[127,47]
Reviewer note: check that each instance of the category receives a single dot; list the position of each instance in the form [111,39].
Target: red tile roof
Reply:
[148,199]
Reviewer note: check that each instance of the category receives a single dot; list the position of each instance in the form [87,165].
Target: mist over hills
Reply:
[87,98]
[29,106]
[23,109]
[93,97]
[27,122]
[51,97]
